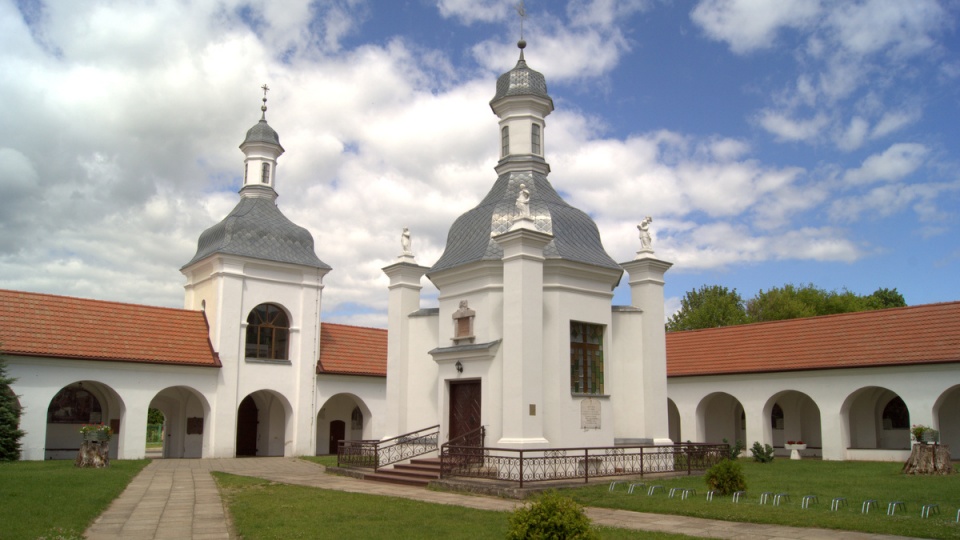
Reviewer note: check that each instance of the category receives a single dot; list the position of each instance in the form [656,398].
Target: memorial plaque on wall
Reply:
[590,413]
[194,426]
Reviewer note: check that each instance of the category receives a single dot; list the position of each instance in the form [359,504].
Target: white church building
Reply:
[525,342]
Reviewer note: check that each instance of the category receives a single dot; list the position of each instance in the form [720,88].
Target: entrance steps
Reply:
[418,472]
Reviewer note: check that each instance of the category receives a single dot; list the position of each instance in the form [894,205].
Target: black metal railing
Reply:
[371,454]
[524,466]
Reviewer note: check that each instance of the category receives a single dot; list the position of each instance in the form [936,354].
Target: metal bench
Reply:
[893,505]
[865,507]
[807,499]
[737,495]
[925,511]
[780,497]
[766,495]
[635,484]
[654,489]
[837,502]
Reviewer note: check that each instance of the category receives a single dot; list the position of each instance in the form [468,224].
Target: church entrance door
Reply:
[338,430]
[247,427]
[464,407]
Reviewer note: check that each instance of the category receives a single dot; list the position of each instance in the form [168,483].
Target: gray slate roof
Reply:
[521,80]
[256,228]
[262,132]
[575,235]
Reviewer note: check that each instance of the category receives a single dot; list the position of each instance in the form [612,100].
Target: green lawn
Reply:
[262,509]
[857,481]
[51,498]
[326,461]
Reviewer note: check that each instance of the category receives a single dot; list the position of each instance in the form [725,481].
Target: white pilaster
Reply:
[404,299]
[523,407]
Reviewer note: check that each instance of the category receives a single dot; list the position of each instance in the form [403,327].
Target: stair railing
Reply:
[377,454]
[462,451]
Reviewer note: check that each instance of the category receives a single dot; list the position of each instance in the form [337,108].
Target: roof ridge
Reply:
[797,320]
[99,301]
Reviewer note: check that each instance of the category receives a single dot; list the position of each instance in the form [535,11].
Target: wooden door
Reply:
[338,430]
[247,427]
[464,407]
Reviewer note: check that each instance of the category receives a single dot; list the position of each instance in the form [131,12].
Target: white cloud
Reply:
[749,25]
[471,11]
[790,129]
[895,163]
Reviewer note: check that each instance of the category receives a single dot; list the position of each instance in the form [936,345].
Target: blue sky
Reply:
[773,142]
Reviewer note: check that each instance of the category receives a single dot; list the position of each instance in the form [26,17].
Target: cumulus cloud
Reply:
[896,162]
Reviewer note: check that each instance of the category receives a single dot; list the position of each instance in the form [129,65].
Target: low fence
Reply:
[372,454]
[524,466]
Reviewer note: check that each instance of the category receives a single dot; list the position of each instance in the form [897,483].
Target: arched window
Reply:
[895,415]
[356,419]
[246,167]
[535,139]
[776,417]
[504,141]
[74,404]
[266,173]
[268,333]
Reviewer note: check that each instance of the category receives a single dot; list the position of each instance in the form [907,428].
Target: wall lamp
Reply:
[459,367]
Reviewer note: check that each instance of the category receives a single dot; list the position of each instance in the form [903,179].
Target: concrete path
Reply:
[177,498]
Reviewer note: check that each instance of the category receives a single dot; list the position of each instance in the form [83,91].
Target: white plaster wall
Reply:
[338,395]
[135,385]
[829,390]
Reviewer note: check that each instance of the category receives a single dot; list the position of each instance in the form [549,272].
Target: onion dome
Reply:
[256,228]
[521,80]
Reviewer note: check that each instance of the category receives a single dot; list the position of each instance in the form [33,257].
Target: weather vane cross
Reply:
[522,12]
[263,107]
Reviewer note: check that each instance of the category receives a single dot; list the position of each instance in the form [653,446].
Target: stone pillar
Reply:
[523,407]
[404,299]
[646,292]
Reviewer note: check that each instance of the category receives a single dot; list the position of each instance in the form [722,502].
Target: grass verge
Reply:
[262,509]
[326,461]
[857,481]
[56,499]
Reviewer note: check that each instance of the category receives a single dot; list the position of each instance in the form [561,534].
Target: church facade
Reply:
[524,342]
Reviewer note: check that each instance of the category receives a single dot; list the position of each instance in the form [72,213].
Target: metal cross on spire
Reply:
[263,107]
[522,12]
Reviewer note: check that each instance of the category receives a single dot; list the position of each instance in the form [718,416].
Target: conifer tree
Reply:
[10,432]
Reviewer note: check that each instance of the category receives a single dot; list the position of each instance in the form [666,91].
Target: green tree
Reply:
[885,298]
[709,306]
[154,416]
[10,432]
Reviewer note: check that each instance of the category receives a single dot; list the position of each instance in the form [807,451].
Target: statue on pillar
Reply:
[646,241]
[405,243]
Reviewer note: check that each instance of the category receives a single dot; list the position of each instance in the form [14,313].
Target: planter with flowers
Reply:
[95,449]
[794,447]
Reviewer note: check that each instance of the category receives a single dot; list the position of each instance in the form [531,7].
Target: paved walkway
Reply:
[177,498]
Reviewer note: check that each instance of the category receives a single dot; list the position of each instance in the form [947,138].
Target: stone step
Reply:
[419,472]
[393,478]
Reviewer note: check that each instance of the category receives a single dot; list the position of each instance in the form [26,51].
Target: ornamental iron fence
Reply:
[524,466]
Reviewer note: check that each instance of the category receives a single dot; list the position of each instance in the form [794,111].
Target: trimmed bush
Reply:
[736,449]
[763,454]
[551,516]
[726,477]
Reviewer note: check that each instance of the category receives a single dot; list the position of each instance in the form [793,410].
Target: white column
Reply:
[646,291]
[404,299]
[523,407]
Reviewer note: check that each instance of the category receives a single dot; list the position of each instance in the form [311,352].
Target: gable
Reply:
[33,324]
[890,337]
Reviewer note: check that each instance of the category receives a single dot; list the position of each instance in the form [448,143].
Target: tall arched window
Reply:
[535,139]
[246,167]
[266,173]
[504,141]
[895,415]
[776,417]
[356,419]
[268,333]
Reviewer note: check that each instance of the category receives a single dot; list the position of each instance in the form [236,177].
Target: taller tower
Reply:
[256,276]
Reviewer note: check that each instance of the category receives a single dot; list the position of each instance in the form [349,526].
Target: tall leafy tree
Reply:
[10,432]
[885,298]
[709,306]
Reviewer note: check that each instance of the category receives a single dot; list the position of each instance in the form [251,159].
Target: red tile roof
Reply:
[352,350]
[924,334]
[33,324]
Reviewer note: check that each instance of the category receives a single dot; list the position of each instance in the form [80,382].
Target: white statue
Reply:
[405,241]
[646,242]
[523,201]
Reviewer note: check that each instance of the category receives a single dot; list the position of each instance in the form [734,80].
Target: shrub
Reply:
[763,454]
[550,516]
[736,449]
[726,477]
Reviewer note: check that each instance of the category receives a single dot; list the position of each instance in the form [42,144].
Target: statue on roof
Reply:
[646,241]
[523,201]
[405,242]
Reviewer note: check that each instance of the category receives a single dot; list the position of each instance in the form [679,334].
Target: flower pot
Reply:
[97,436]
[795,449]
